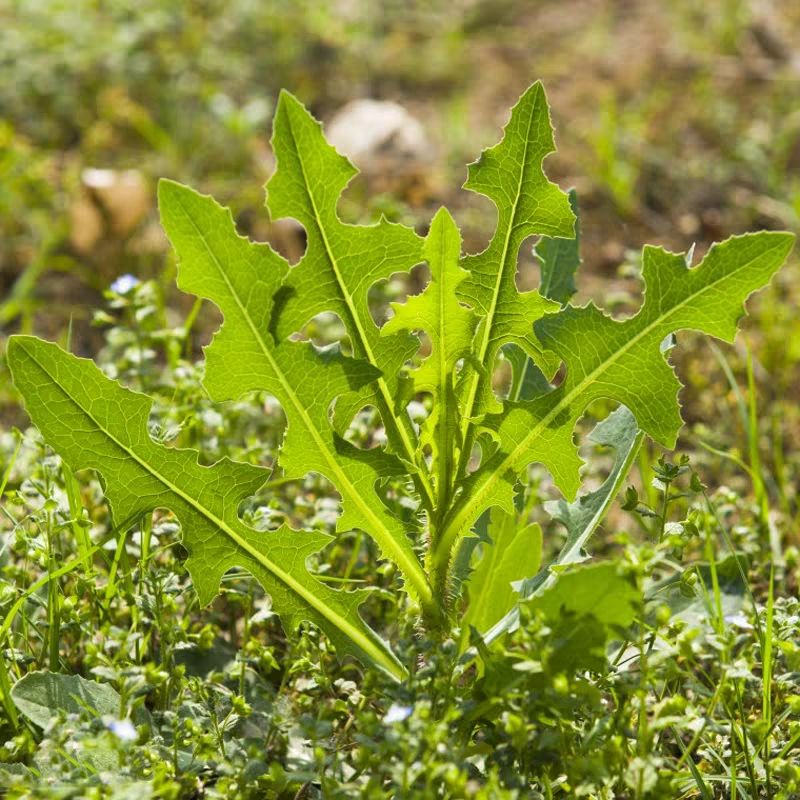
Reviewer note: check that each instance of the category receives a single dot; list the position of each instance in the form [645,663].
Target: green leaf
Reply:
[510,174]
[586,607]
[94,423]
[242,278]
[512,553]
[341,263]
[621,361]
[450,327]
[625,360]
[527,380]
[40,696]
[10,771]
[449,324]
[581,517]
[601,589]
[559,260]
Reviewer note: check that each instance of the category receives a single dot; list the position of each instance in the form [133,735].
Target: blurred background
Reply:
[678,122]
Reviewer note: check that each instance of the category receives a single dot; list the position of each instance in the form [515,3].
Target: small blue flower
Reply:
[123,729]
[738,620]
[124,284]
[397,713]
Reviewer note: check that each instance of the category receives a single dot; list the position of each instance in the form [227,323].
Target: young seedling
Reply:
[473,450]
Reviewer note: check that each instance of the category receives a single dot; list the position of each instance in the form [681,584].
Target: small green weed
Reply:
[450,654]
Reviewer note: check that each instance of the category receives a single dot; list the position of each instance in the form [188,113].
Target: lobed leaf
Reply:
[558,260]
[242,278]
[94,423]
[510,174]
[437,310]
[339,266]
[450,326]
[621,361]
[581,517]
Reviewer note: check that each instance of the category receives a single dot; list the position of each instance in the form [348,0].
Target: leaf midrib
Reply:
[354,315]
[444,460]
[490,316]
[411,569]
[324,610]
